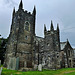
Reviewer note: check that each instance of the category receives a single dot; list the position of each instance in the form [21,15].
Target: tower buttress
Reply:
[57,27]
[34,17]
[45,29]
[12,19]
[58,36]
[13,12]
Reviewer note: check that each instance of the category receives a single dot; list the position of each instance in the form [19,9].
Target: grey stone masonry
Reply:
[26,51]
[13,63]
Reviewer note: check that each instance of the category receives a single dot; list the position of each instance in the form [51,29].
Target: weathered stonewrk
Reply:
[13,63]
[26,51]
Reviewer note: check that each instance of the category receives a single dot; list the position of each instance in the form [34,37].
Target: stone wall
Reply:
[28,50]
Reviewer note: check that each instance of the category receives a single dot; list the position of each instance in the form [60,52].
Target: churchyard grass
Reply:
[65,71]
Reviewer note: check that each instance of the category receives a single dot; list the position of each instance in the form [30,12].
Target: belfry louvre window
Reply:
[27,27]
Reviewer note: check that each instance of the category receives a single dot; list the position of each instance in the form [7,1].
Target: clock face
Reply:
[27,26]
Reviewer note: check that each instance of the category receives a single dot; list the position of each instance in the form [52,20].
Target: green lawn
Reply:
[66,71]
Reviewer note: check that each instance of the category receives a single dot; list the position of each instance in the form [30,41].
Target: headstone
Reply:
[43,61]
[0,62]
[49,62]
[13,63]
[17,63]
[1,70]
[35,67]
[39,67]
[25,64]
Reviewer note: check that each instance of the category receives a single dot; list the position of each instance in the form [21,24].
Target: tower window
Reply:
[27,26]
[26,37]
[57,56]
[48,44]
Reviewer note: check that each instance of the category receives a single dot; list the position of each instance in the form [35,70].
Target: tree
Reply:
[2,48]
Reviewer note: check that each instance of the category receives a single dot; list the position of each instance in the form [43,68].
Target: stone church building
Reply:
[25,50]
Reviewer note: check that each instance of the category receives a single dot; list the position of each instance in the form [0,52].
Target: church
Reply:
[25,50]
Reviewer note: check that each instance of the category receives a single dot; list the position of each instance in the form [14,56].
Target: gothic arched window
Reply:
[27,26]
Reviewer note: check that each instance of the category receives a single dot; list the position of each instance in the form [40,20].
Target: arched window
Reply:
[68,52]
[27,26]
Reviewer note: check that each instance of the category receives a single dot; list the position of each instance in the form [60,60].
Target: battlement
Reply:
[29,13]
[51,31]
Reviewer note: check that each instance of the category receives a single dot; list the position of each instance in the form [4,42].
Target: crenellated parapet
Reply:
[52,30]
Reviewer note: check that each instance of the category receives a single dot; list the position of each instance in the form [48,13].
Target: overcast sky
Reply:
[59,11]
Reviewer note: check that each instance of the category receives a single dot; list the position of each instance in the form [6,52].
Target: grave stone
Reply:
[25,64]
[17,63]
[39,67]
[13,63]
[35,67]
[1,70]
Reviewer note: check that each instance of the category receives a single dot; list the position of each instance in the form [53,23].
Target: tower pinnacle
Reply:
[34,11]
[21,5]
[58,27]
[51,28]
[45,28]
[13,11]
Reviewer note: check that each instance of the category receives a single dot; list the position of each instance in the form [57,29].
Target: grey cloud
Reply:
[10,3]
[60,11]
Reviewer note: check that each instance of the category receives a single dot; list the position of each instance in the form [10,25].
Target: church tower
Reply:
[21,37]
[52,38]
[51,47]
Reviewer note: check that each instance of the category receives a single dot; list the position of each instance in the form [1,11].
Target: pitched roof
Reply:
[62,45]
